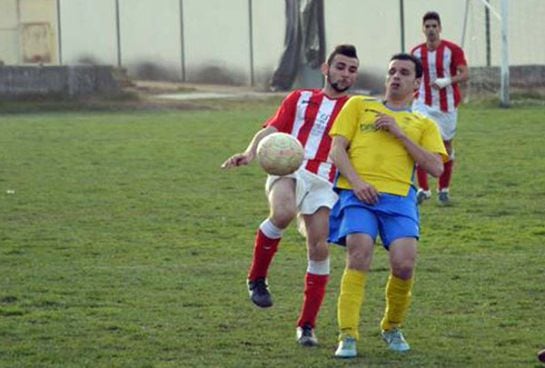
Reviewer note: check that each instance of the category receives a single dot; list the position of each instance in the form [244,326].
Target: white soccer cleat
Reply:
[395,340]
[346,348]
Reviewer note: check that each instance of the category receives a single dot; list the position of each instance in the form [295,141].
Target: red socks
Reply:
[422,176]
[264,250]
[444,179]
[315,287]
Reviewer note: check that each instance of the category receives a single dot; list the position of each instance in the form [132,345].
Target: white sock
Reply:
[270,230]
[318,267]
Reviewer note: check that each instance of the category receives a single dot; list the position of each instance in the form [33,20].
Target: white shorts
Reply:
[446,121]
[311,191]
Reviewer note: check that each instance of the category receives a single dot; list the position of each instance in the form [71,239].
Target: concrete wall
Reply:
[38,31]
[88,31]
[9,33]
[28,31]
[217,41]
[65,81]
[356,21]
[268,37]
[150,35]
[241,41]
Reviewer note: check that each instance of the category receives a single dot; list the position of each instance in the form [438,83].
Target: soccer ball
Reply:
[280,154]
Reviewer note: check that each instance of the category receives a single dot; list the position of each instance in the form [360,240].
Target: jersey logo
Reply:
[309,102]
[367,128]
[320,124]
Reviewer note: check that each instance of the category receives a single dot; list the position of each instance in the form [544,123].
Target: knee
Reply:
[318,250]
[283,218]
[403,269]
[359,259]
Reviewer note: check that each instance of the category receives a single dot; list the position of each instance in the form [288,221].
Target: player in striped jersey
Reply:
[445,66]
[307,114]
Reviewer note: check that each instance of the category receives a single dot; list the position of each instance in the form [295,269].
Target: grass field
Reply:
[122,244]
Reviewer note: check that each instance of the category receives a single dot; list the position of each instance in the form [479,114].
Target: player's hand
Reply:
[388,124]
[365,192]
[238,159]
[440,83]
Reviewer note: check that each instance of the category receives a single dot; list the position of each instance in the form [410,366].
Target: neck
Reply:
[397,103]
[432,45]
[331,93]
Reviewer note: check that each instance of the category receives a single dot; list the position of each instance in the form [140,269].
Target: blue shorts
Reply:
[393,217]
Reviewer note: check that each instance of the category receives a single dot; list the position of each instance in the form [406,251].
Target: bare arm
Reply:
[462,75]
[429,161]
[244,158]
[338,153]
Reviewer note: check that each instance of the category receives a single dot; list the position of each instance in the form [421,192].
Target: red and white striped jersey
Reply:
[308,114]
[439,63]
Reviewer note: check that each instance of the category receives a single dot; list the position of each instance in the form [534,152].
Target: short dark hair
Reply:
[417,63]
[431,15]
[344,49]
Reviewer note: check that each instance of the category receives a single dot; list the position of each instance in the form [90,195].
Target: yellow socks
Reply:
[398,299]
[350,301]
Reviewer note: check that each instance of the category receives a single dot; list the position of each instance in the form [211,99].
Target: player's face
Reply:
[401,80]
[431,29]
[342,73]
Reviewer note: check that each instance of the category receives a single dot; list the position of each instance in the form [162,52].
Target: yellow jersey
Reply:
[379,158]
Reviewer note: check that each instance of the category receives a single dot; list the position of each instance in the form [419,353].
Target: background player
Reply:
[439,95]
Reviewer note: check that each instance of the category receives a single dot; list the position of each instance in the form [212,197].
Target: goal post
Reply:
[504,85]
[502,18]
[502,41]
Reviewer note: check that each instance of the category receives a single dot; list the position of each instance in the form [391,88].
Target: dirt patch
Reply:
[189,96]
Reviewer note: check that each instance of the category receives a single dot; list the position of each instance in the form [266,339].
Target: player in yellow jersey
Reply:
[376,146]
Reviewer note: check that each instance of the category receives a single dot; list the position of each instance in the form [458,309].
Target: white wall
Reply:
[372,26]
[216,36]
[150,33]
[213,41]
[88,31]
[268,33]
[38,31]
[9,32]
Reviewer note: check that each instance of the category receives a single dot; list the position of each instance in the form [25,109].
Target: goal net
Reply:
[521,51]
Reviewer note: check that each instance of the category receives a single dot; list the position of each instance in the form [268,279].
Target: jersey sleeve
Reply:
[285,113]
[431,140]
[346,123]
[458,57]
[414,49]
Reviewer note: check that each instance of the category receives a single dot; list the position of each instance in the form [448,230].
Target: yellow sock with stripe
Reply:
[350,300]
[398,299]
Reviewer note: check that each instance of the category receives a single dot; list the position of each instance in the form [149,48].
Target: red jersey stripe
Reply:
[309,115]
[440,71]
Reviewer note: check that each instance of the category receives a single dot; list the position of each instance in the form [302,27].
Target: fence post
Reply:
[251,40]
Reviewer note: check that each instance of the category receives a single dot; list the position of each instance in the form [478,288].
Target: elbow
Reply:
[333,156]
[333,159]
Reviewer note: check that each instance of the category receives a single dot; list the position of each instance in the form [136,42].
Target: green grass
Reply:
[122,244]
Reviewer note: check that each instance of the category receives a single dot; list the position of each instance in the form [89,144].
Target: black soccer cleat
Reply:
[259,293]
[305,336]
